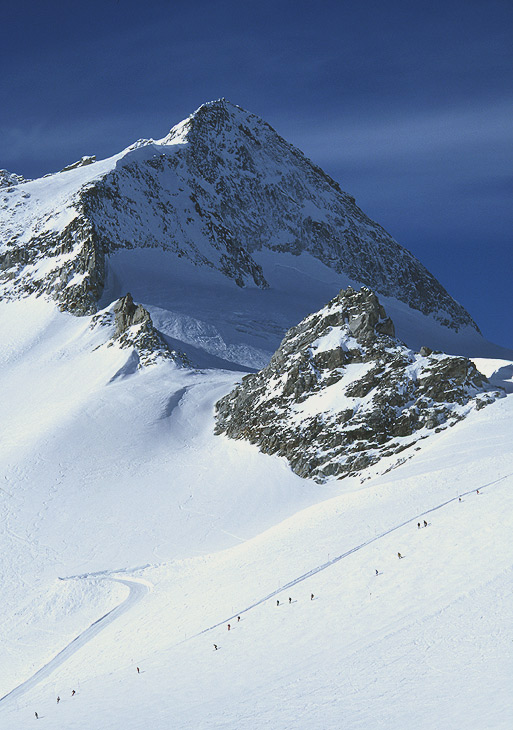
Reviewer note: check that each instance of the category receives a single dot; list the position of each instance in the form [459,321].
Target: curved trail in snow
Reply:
[331,562]
[137,590]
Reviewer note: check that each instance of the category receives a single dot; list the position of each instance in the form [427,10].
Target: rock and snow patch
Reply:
[8,179]
[131,326]
[82,162]
[342,392]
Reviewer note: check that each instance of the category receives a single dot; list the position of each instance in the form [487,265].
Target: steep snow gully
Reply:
[138,588]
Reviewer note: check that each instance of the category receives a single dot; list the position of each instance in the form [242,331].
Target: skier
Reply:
[399,555]
[277,603]
[73,692]
[377,572]
[215,647]
[290,599]
[229,627]
[418,525]
[138,670]
[58,699]
[238,619]
[459,499]
[425,523]
[37,716]
[477,491]
[311,596]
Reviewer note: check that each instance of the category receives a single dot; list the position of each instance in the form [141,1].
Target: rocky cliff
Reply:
[341,392]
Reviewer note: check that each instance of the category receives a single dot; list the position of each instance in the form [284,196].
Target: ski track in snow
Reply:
[139,588]
[335,560]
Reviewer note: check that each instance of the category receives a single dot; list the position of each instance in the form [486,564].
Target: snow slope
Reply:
[204,314]
[110,474]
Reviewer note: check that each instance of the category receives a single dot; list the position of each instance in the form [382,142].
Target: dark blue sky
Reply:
[409,105]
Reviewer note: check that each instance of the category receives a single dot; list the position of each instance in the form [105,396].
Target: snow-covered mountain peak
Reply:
[132,537]
[219,116]
[224,194]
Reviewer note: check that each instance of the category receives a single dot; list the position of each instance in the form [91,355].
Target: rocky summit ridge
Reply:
[341,392]
[219,188]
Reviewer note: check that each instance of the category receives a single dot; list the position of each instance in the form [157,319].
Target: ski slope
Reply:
[137,589]
[115,481]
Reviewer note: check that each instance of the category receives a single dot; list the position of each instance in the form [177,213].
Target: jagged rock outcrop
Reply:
[82,162]
[341,392]
[133,328]
[219,188]
[7,179]
[127,314]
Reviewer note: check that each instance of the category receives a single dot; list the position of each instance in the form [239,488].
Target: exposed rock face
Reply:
[341,392]
[67,265]
[82,162]
[134,329]
[10,178]
[127,314]
[222,186]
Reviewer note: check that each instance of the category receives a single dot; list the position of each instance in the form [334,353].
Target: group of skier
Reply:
[73,693]
[229,626]
[419,526]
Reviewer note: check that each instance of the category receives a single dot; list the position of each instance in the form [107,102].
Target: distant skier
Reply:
[138,670]
[311,596]
[425,523]
[290,599]
[418,525]
[73,693]
[229,627]
[377,572]
[37,716]
[238,619]
[215,647]
[477,491]
[58,700]
[399,555]
[459,499]
[277,603]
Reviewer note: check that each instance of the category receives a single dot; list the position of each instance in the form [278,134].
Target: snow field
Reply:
[410,634]
[125,477]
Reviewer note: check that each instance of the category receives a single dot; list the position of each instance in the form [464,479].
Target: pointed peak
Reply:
[219,114]
[221,103]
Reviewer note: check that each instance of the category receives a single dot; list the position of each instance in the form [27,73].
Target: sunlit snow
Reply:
[109,483]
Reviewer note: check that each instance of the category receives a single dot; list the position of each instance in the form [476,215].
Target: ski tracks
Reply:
[138,588]
[333,561]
